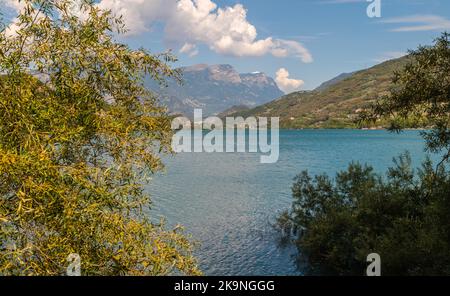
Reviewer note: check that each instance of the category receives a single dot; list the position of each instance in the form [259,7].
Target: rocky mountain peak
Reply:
[258,79]
[224,73]
[215,88]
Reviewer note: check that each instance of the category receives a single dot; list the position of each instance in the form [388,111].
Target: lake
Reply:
[227,201]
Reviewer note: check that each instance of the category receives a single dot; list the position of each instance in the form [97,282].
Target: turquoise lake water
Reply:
[227,201]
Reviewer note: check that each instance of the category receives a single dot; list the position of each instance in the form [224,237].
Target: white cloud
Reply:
[13,5]
[286,84]
[188,23]
[189,49]
[419,23]
[140,14]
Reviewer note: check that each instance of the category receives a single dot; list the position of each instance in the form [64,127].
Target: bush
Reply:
[403,217]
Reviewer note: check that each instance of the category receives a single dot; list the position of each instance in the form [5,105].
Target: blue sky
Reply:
[340,36]
[314,40]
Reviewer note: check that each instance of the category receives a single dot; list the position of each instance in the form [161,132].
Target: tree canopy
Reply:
[79,138]
[403,215]
[422,90]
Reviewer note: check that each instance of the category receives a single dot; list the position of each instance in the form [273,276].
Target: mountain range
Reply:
[335,104]
[214,88]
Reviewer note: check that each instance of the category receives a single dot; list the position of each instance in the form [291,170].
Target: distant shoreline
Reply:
[325,129]
[357,129]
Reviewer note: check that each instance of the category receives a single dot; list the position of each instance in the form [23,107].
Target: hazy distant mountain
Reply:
[333,81]
[214,89]
[337,104]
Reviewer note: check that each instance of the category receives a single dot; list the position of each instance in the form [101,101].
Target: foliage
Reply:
[79,138]
[337,105]
[422,90]
[403,217]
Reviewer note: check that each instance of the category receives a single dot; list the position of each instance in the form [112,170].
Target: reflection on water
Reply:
[228,200]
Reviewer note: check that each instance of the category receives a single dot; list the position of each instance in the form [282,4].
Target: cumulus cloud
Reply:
[11,5]
[286,84]
[189,49]
[189,23]
[16,6]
